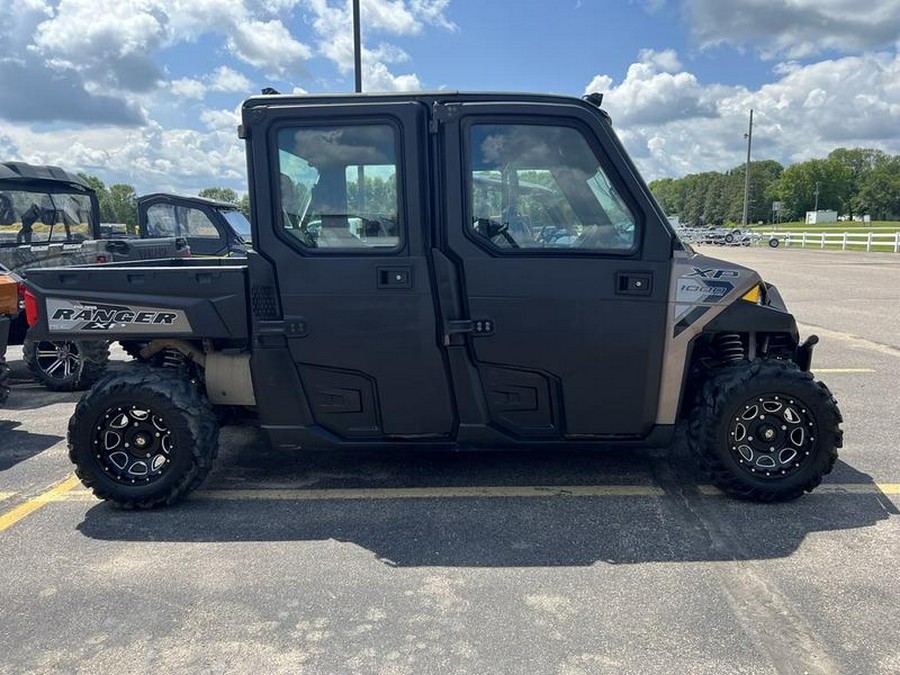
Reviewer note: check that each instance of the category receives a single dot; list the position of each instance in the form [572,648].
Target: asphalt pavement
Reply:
[516,562]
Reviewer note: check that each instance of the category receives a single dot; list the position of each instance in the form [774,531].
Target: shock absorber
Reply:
[172,358]
[729,347]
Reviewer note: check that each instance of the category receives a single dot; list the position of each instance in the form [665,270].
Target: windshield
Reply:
[239,222]
[38,217]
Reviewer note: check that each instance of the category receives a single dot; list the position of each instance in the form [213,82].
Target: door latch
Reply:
[395,277]
[474,327]
[634,283]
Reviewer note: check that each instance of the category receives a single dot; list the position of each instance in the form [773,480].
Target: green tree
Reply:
[244,205]
[668,193]
[861,162]
[120,205]
[797,186]
[220,194]
[879,195]
[95,183]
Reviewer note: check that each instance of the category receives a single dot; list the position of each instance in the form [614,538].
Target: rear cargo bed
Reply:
[180,298]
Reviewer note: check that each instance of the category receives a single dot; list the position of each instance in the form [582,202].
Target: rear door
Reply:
[348,241]
[564,270]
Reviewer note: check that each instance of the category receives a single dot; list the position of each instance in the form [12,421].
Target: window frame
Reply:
[603,162]
[186,234]
[281,231]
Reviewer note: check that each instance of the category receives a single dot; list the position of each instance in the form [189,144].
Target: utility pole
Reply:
[357,47]
[817,197]
[749,137]
[357,67]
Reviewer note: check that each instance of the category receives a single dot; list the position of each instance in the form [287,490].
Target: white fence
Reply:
[868,241]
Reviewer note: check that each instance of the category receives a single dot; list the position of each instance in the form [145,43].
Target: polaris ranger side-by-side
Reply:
[445,270]
[50,217]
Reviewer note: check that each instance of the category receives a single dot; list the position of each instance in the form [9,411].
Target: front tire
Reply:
[143,438]
[66,366]
[765,431]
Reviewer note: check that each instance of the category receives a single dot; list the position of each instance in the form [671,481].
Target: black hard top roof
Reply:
[36,175]
[424,96]
[204,201]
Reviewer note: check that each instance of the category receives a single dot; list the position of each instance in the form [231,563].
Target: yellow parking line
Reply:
[832,371]
[829,489]
[468,492]
[437,492]
[859,488]
[13,516]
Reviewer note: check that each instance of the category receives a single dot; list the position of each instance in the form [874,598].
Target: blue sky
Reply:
[146,91]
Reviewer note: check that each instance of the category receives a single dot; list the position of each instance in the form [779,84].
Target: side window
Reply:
[199,224]
[161,221]
[42,218]
[542,187]
[338,186]
[169,220]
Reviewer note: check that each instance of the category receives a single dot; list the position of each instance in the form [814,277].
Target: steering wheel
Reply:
[491,229]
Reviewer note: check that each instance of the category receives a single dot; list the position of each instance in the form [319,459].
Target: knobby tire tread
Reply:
[712,401]
[196,416]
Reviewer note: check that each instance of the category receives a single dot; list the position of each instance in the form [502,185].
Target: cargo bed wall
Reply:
[129,302]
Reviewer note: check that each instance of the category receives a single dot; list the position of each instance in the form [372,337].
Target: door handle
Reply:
[634,283]
[395,277]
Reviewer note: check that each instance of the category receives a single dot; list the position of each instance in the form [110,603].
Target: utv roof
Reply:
[426,97]
[37,176]
[205,201]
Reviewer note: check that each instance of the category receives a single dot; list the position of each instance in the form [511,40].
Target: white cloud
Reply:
[673,125]
[653,93]
[333,26]
[267,45]
[228,80]
[149,157]
[187,87]
[377,77]
[796,28]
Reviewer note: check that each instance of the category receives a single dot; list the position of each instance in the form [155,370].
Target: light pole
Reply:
[816,209]
[749,137]
[357,67]
[357,47]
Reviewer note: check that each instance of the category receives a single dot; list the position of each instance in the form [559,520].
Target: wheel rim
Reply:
[772,436]
[133,444]
[58,360]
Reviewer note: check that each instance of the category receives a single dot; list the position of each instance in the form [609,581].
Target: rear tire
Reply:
[143,438]
[66,365]
[773,242]
[765,431]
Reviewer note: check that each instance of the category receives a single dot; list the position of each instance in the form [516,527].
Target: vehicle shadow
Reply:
[17,445]
[681,523]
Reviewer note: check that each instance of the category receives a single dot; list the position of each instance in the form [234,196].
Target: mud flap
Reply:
[803,354]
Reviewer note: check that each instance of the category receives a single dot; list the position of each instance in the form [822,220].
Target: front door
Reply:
[350,255]
[564,271]
[169,216]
